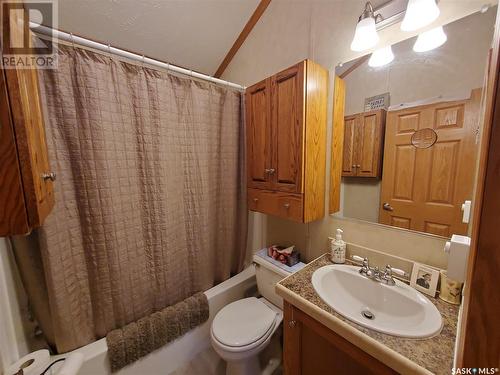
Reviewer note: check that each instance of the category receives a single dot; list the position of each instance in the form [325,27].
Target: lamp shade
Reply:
[365,36]
[381,57]
[429,40]
[419,13]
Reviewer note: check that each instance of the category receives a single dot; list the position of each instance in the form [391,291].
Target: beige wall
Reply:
[452,70]
[290,31]
[361,198]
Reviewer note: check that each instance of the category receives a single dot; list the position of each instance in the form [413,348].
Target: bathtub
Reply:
[175,354]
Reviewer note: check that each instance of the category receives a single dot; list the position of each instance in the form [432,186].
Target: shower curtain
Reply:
[150,194]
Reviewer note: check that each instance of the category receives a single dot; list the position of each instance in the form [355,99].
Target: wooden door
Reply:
[310,348]
[29,127]
[349,155]
[13,215]
[259,148]
[370,135]
[423,189]
[288,89]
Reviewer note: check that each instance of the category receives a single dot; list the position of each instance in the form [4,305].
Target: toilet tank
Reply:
[268,275]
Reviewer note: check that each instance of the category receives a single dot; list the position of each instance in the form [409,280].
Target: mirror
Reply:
[411,129]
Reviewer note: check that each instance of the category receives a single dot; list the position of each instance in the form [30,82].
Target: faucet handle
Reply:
[365,268]
[397,271]
[360,259]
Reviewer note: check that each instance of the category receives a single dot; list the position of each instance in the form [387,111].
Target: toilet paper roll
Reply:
[71,365]
[31,364]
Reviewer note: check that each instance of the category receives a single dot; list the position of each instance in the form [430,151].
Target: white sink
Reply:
[397,310]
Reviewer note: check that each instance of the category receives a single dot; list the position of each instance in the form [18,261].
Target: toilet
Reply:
[242,329]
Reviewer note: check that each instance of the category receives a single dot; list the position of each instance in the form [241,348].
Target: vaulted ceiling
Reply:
[196,34]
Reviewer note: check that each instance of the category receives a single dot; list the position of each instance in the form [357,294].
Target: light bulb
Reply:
[365,36]
[429,40]
[381,57]
[419,13]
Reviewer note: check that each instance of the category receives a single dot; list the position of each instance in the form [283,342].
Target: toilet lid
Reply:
[243,322]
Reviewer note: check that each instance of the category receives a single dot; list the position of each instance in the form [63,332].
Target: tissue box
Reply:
[286,255]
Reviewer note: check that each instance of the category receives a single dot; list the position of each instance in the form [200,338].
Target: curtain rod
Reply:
[44,30]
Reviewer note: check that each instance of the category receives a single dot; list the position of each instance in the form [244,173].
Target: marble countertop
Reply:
[407,356]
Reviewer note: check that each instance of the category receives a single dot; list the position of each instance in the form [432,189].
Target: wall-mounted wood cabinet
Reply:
[286,143]
[363,144]
[310,348]
[26,181]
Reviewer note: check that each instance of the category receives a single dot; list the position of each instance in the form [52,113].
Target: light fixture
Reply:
[365,36]
[419,13]
[381,57]
[429,40]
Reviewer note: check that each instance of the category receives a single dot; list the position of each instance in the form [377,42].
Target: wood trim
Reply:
[13,215]
[355,66]
[479,336]
[291,341]
[337,144]
[315,141]
[259,11]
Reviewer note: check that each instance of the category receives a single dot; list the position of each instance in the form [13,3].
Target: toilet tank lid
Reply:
[264,260]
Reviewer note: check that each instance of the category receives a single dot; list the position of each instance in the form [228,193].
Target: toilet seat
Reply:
[243,325]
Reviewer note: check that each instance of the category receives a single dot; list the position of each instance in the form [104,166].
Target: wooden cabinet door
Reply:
[310,348]
[29,127]
[288,89]
[423,188]
[13,215]
[348,159]
[370,136]
[363,143]
[259,147]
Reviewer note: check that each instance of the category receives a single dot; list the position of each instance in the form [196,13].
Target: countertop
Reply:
[407,356]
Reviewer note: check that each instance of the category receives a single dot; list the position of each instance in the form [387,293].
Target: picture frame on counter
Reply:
[424,279]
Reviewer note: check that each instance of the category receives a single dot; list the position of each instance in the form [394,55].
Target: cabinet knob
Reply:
[286,205]
[270,170]
[49,176]
[358,166]
[292,323]
[256,200]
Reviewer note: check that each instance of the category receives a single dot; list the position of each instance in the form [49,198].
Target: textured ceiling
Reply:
[195,34]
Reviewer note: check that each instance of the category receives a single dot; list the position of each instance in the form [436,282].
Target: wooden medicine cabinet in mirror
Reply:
[408,132]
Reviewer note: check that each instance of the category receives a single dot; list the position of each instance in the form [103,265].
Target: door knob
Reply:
[49,176]
[286,205]
[386,206]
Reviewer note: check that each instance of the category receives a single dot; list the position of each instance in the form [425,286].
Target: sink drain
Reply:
[368,314]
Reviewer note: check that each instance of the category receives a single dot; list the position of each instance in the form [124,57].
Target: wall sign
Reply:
[381,101]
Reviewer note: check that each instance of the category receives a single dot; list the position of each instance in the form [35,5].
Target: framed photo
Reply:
[424,279]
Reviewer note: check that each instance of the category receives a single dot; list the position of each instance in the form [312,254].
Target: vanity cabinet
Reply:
[286,143]
[310,348]
[363,144]
[26,181]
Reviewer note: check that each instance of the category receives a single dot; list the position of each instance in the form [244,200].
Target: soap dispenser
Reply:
[338,247]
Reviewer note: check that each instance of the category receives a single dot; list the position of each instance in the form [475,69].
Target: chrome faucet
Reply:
[377,275]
